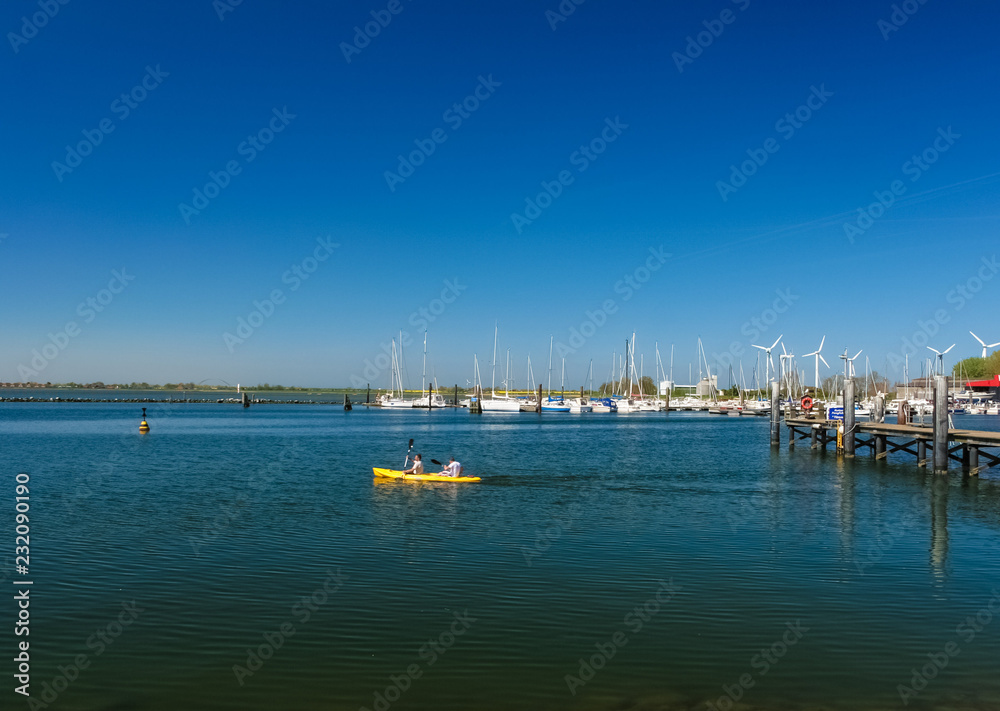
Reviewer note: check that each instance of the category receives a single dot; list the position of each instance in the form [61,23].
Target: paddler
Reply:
[418,466]
[453,468]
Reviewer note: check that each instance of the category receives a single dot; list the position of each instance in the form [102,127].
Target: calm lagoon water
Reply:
[220,521]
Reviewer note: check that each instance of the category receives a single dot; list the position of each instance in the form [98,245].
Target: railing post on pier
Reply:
[849,418]
[775,413]
[940,424]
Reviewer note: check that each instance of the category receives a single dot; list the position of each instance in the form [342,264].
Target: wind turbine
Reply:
[940,355]
[819,358]
[849,364]
[785,356]
[983,344]
[767,361]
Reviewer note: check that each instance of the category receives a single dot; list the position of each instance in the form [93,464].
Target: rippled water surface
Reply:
[818,582]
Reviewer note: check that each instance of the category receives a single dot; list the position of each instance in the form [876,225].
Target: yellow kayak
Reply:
[392,474]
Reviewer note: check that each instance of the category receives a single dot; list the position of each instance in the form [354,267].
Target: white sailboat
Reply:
[552,404]
[428,400]
[495,403]
[575,404]
[391,399]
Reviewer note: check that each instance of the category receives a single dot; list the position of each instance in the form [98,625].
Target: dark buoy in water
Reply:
[143,426]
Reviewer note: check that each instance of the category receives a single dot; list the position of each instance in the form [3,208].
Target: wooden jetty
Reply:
[944,444]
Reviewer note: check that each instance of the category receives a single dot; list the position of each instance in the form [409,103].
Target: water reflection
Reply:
[939,527]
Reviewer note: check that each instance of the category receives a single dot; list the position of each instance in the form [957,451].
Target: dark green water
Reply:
[220,521]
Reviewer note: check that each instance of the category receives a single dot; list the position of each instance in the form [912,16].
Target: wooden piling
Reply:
[368,394]
[456,395]
[878,413]
[849,418]
[775,414]
[347,403]
[246,400]
[477,406]
[538,405]
[921,452]
[940,424]
[973,452]
[903,416]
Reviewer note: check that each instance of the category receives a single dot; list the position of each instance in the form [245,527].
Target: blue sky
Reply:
[606,80]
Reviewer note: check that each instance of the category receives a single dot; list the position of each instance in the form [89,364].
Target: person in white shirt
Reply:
[453,468]
[418,465]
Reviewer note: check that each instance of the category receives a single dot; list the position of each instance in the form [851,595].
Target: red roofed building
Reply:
[984,385]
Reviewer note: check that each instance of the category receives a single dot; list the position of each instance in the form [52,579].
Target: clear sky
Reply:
[708,152]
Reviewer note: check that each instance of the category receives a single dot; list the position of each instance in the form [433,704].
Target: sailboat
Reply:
[495,403]
[431,399]
[530,404]
[553,404]
[576,404]
[391,399]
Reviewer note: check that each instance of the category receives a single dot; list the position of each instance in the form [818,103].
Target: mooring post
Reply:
[903,415]
[849,418]
[775,413]
[973,451]
[368,395]
[456,395]
[246,400]
[921,452]
[878,415]
[538,405]
[815,436]
[940,424]
[347,402]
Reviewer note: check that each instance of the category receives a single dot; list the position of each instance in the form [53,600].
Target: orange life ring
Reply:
[807,403]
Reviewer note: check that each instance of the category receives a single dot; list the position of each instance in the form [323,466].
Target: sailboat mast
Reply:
[493,375]
[423,372]
[562,380]
[548,385]
[506,382]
